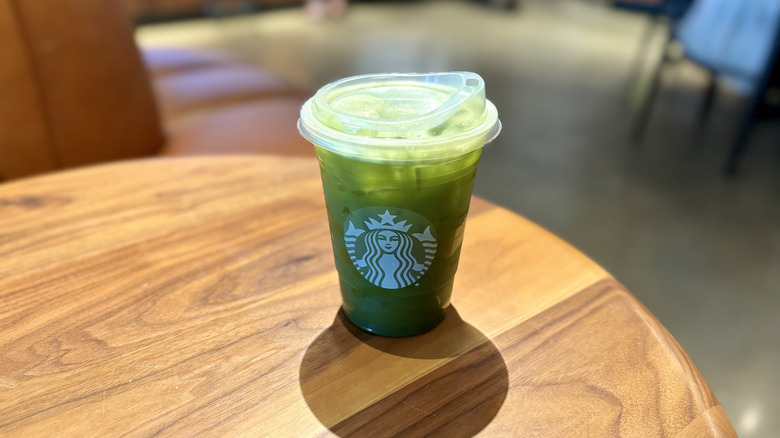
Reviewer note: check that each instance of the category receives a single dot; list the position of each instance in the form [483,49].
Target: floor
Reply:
[700,250]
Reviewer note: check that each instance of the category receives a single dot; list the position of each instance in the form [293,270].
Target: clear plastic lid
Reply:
[401,117]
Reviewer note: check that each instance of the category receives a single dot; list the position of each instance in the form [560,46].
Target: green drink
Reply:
[398,155]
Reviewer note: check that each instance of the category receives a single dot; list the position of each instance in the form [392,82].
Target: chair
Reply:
[673,9]
[735,41]
[659,12]
[75,90]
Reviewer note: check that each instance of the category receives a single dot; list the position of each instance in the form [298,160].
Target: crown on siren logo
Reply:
[387,223]
[384,252]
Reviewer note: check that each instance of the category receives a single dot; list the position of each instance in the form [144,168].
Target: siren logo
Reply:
[390,247]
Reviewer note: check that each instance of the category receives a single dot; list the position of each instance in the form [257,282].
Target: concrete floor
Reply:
[701,251]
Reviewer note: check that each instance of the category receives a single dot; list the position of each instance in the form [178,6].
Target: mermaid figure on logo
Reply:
[389,261]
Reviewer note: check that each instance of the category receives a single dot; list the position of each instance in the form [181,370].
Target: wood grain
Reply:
[198,297]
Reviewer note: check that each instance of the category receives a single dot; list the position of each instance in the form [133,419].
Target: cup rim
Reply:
[395,149]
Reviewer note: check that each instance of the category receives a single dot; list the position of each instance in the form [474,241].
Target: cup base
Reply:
[396,331]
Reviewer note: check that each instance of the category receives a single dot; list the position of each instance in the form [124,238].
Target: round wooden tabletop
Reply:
[199,296]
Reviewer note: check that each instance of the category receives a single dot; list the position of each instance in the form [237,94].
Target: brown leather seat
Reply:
[265,126]
[75,91]
[213,86]
[161,61]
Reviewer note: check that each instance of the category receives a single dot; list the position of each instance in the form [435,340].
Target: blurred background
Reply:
[645,133]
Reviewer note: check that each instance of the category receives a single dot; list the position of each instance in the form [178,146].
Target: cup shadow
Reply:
[450,381]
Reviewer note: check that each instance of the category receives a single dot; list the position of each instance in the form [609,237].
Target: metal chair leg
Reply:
[638,63]
[740,141]
[772,70]
[640,123]
[709,100]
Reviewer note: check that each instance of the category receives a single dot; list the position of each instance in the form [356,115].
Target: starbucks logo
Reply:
[390,247]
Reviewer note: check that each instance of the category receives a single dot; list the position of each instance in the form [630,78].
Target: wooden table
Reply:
[198,296]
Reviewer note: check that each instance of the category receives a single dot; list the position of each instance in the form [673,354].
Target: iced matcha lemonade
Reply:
[398,154]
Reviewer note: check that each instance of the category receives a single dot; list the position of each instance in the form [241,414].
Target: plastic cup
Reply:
[398,154]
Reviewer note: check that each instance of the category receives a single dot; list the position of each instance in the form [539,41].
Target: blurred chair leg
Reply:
[640,123]
[740,141]
[772,70]
[709,100]
[638,63]
[705,110]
